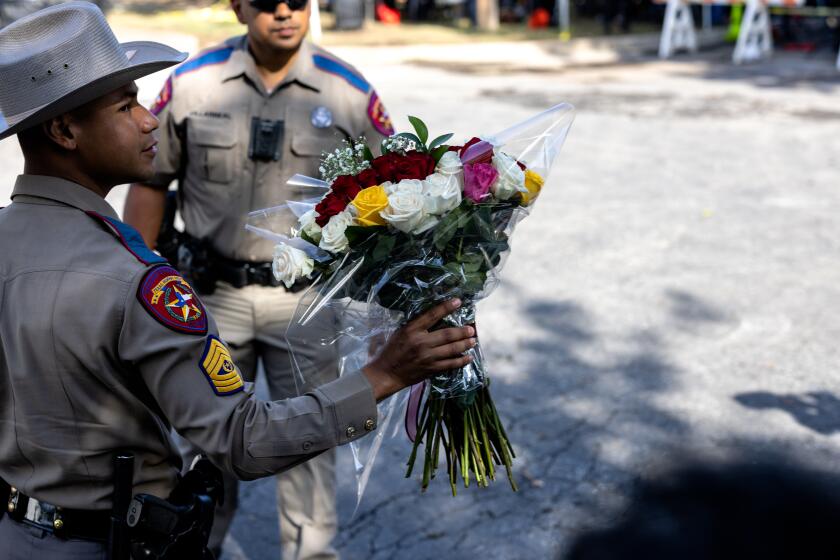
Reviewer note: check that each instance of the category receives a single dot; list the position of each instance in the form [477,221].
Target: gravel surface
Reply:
[671,296]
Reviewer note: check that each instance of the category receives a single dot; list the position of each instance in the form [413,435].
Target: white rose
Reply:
[450,164]
[332,234]
[404,186]
[511,177]
[290,264]
[309,226]
[443,193]
[406,211]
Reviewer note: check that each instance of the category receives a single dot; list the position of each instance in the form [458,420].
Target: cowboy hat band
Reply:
[59,58]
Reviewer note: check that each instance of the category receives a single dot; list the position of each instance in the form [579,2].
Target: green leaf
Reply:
[382,148]
[384,246]
[473,262]
[356,235]
[440,140]
[368,153]
[305,236]
[420,128]
[438,152]
[446,229]
[483,220]
[413,138]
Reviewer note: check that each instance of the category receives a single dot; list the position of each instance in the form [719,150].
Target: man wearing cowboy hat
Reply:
[103,346]
[237,121]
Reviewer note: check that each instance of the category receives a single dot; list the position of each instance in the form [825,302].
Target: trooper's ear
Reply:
[58,130]
[236,6]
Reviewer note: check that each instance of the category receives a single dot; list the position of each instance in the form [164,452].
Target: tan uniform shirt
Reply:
[101,347]
[206,110]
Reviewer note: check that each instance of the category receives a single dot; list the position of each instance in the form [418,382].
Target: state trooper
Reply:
[238,121]
[104,347]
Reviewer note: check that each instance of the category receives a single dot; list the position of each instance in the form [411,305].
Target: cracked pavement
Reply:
[671,296]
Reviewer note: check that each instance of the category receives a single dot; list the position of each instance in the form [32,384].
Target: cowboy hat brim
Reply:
[145,57]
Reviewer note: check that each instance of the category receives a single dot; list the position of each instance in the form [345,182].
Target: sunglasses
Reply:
[271,5]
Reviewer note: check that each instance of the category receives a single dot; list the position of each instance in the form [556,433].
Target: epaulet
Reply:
[130,239]
[337,68]
[207,58]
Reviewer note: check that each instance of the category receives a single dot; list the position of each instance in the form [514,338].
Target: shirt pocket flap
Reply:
[307,145]
[216,133]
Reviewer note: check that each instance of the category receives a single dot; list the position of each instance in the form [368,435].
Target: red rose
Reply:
[346,186]
[329,206]
[413,165]
[385,166]
[368,178]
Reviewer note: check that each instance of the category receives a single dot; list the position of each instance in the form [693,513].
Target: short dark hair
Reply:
[742,511]
[32,140]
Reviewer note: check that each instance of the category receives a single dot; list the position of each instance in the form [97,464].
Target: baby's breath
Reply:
[399,144]
[349,159]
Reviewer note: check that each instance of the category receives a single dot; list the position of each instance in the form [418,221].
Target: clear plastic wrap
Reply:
[390,271]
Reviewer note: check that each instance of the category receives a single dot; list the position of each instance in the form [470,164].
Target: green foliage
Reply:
[306,237]
[438,152]
[357,235]
[439,141]
[368,153]
[420,128]
[383,248]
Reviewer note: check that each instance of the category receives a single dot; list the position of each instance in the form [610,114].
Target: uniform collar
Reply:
[63,191]
[242,63]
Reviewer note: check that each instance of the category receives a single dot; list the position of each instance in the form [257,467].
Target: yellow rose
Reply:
[533,183]
[369,202]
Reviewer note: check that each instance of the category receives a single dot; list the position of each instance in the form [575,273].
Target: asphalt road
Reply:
[671,296]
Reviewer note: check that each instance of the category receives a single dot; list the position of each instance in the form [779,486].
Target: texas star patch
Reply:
[171,301]
[218,366]
[379,117]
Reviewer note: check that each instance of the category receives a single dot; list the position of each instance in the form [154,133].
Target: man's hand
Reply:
[413,353]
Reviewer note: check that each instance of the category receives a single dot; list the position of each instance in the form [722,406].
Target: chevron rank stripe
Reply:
[217,365]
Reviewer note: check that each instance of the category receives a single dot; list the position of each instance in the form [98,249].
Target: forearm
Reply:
[270,437]
[144,207]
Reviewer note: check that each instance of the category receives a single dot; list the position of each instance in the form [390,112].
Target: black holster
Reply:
[177,528]
[192,257]
[169,238]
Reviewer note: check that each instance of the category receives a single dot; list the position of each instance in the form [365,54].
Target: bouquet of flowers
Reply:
[392,236]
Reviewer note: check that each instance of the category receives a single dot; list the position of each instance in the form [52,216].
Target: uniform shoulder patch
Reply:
[207,58]
[332,66]
[378,115]
[163,98]
[218,367]
[171,301]
[129,237]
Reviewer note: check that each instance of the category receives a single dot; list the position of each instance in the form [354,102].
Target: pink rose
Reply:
[477,180]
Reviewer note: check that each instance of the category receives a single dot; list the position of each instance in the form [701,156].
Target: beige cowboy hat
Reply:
[64,56]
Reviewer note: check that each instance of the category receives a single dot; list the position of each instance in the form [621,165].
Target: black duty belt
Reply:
[245,273]
[64,523]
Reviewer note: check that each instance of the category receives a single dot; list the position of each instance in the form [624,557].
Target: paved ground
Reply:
[671,296]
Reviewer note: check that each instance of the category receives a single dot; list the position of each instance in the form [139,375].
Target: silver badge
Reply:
[321,117]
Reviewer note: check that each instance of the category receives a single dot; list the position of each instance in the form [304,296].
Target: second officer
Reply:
[237,121]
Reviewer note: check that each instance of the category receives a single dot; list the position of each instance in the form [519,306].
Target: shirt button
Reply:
[370,424]
[351,431]
[307,445]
